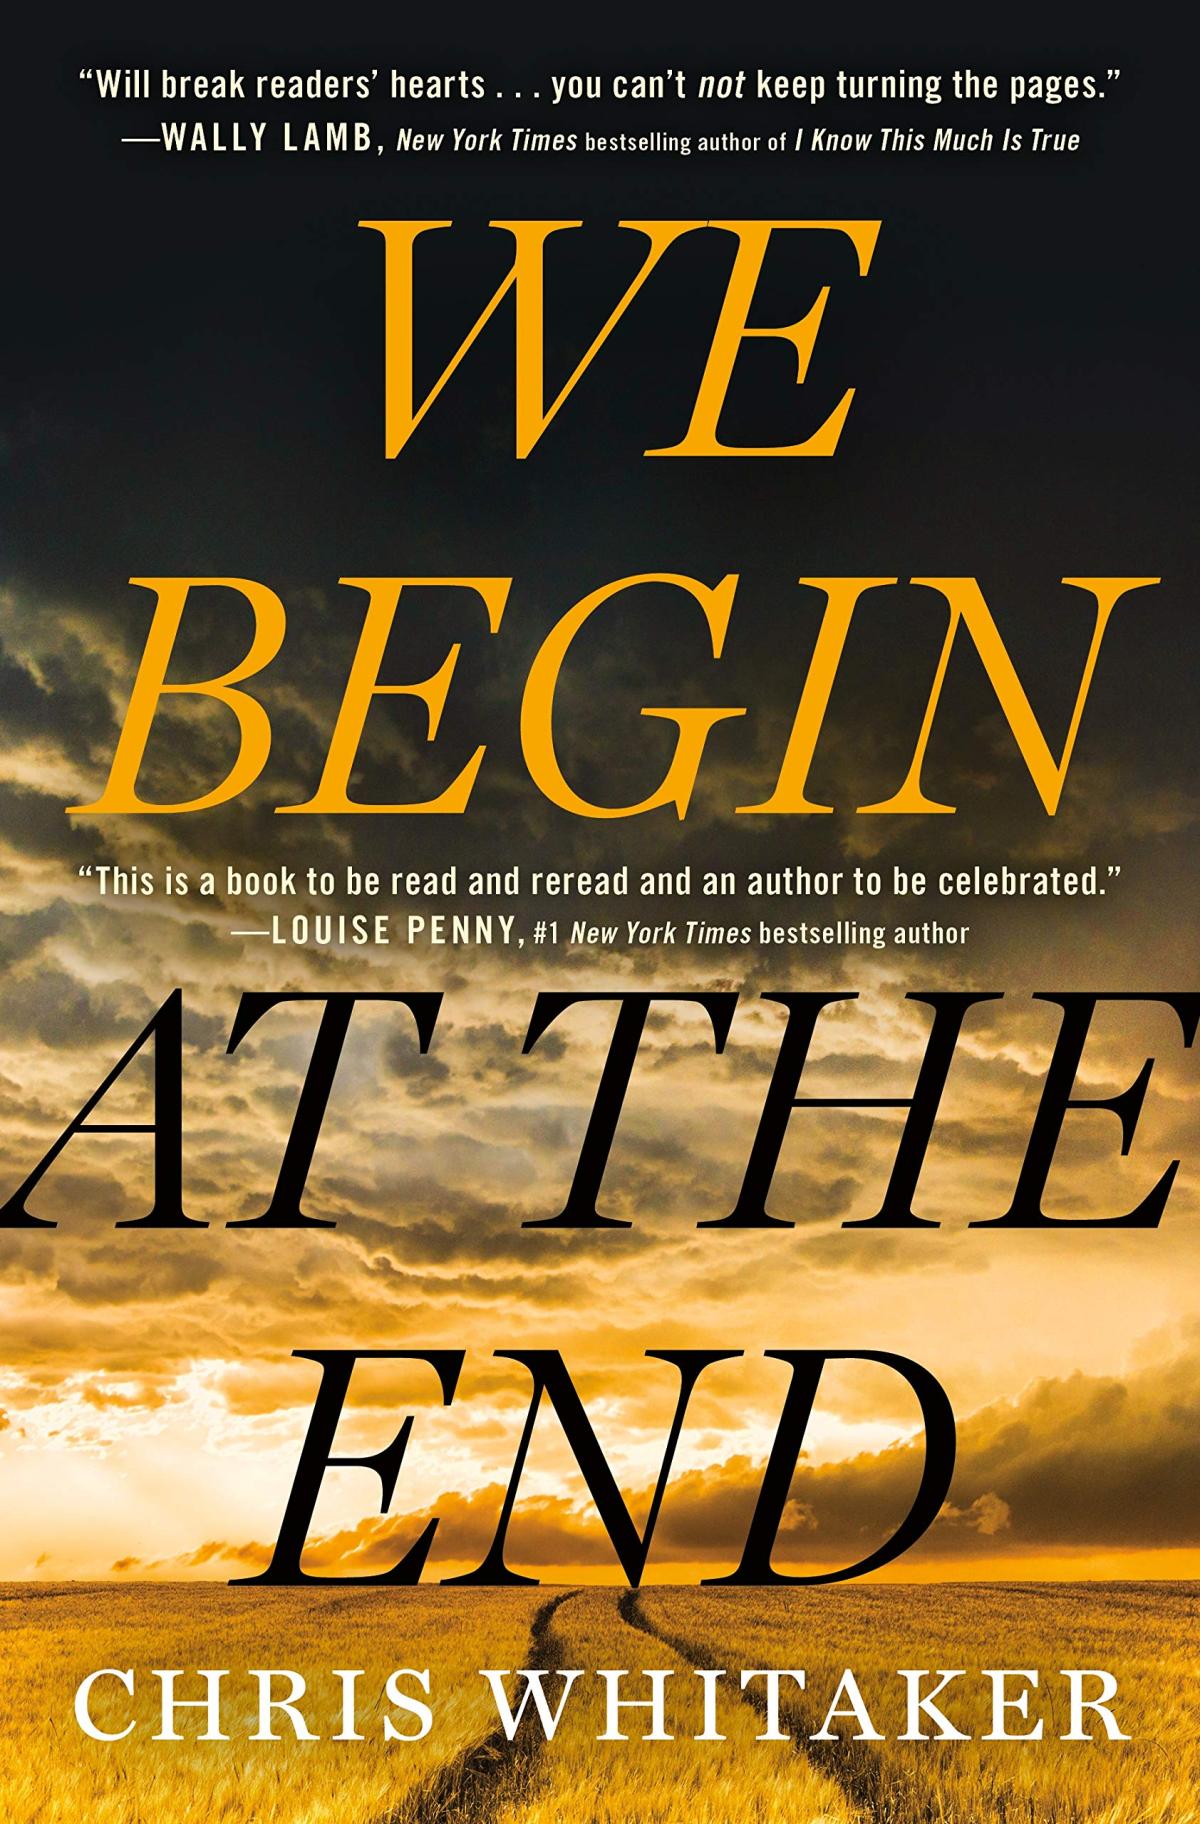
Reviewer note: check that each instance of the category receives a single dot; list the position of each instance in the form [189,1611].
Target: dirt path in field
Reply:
[851,1765]
[493,1774]
[476,1784]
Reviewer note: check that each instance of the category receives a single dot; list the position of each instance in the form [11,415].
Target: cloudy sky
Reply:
[206,400]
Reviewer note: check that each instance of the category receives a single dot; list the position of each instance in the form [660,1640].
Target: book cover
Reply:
[597,839]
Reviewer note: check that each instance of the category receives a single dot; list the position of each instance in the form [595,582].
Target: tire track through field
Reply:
[851,1765]
[477,1783]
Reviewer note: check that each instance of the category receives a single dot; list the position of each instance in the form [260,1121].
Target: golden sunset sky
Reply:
[197,390]
[152,1412]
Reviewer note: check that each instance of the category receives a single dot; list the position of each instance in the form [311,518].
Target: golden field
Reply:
[465,1769]
[50,1636]
[614,1782]
[1146,1634]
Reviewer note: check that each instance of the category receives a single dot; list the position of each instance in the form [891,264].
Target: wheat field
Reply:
[465,1769]
[654,1782]
[1146,1634]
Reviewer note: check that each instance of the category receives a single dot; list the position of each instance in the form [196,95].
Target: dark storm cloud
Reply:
[61,1011]
[33,824]
[21,934]
[425,1077]
[63,700]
